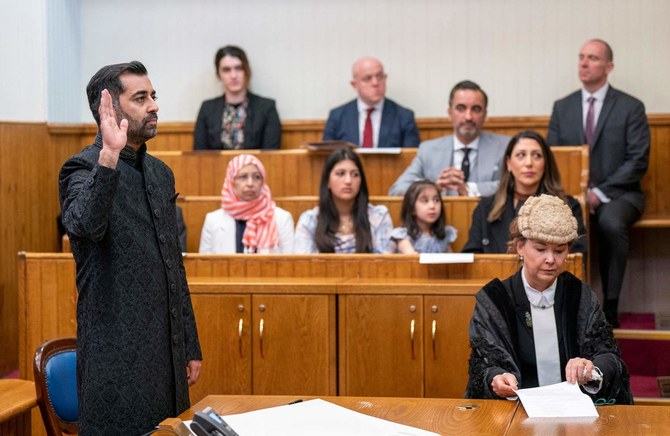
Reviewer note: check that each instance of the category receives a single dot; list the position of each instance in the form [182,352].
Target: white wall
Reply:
[523,52]
[23,61]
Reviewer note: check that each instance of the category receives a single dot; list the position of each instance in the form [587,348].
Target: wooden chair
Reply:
[55,367]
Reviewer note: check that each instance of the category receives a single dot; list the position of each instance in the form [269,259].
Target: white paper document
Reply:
[316,417]
[434,258]
[561,400]
[382,150]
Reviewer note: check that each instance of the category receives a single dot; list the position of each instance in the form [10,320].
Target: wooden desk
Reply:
[17,398]
[443,416]
[613,420]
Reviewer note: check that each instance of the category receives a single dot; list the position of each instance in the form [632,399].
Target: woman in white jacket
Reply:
[248,221]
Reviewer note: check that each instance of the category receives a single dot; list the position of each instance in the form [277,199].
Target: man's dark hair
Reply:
[470,85]
[108,78]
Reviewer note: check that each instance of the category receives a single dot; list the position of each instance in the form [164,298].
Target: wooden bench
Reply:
[458,209]
[298,172]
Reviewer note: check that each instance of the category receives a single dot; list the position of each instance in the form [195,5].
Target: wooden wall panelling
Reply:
[29,165]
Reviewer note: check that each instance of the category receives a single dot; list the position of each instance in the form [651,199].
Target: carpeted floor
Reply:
[645,359]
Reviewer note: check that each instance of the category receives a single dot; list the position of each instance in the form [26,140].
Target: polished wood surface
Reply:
[613,420]
[17,399]
[443,416]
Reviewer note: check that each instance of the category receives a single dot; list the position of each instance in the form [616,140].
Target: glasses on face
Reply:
[379,76]
[255,177]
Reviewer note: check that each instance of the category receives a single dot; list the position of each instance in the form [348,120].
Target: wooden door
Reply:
[378,355]
[294,345]
[447,349]
[224,329]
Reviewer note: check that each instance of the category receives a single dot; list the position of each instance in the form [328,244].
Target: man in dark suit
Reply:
[372,120]
[615,126]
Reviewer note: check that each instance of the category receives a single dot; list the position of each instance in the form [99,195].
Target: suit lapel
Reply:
[485,159]
[388,117]
[575,118]
[351,122]
[608,104]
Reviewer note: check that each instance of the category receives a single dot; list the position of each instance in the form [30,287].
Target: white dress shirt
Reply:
[375,118]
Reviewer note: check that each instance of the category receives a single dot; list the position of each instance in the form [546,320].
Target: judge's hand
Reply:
[578,370]
[451,179]
[193,367]
[504,385]
[114,134]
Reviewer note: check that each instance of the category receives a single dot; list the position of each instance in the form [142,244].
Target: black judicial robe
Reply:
[135,325]
[501,337]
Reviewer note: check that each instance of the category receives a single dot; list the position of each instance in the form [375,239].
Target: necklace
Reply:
[541,306]
[346,226]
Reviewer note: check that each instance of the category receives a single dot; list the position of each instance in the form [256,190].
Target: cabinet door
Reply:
[224,329]
[381,345]
[447,344]
[294,345]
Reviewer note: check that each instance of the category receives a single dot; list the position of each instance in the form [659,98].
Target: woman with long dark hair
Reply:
[529,170]
[344,221]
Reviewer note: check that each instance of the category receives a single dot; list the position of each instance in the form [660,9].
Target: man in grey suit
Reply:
[465,163]
[615,126]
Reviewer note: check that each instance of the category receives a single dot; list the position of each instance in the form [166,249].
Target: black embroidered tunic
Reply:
[135,325]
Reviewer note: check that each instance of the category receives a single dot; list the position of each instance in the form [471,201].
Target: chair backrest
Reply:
[55,367]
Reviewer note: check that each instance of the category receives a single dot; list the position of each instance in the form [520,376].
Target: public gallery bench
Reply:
[458,211]
[298,172]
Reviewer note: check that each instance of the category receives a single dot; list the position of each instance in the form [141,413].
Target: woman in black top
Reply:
[529,169]
[238,119]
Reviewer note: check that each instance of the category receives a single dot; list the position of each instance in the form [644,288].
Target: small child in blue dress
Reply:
[425,228]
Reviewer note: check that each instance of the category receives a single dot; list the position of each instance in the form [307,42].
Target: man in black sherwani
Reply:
[137,342]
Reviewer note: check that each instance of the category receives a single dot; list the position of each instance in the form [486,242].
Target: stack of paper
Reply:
[561,400]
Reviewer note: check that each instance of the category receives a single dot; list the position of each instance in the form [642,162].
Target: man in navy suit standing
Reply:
[371,120]
[615,126]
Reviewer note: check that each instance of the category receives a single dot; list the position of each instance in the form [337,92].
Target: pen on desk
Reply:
[295,402]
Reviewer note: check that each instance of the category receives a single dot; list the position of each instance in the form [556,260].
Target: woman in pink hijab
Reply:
[248,221]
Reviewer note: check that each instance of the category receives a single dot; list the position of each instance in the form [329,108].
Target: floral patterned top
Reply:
[380,227]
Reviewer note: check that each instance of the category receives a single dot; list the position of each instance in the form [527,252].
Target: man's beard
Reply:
[138,131]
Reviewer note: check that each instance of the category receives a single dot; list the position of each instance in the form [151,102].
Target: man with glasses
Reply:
[371,120]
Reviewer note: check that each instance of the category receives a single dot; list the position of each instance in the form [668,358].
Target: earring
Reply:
[520,258]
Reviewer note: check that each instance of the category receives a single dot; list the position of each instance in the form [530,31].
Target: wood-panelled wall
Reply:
[30,159]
